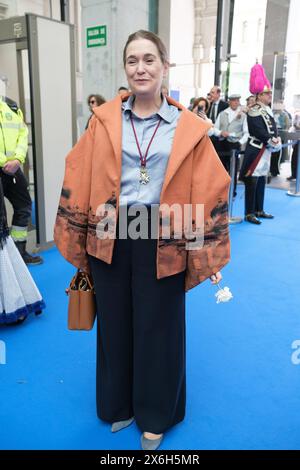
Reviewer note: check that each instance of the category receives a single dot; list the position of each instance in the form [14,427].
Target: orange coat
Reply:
[194,175]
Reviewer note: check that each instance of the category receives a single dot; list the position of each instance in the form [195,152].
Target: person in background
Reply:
[276,156]
[294,160]
[19,295]
[13,151]
[250,101]
[165,90]
[216,104]
[190,107]
[200,107]
[283,123]
[93,101]
[262,140]
[122,90]
[232,131]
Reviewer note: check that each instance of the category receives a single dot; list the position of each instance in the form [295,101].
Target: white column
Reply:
[204,44]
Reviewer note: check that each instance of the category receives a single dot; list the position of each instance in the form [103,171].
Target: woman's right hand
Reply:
[202,115]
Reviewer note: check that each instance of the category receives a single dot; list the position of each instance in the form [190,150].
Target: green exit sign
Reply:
[96,36]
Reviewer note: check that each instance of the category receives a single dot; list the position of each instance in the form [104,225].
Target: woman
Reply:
[93,101]
[201,107]
[143,150]
[250,101]
[19,295]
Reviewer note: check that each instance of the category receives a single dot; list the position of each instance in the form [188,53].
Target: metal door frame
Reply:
[23,32]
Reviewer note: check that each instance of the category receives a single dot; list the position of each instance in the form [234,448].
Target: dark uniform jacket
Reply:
[262,128]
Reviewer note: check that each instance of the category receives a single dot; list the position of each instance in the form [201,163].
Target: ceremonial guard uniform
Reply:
[263,140]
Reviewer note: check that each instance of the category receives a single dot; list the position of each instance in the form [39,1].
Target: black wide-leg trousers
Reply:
[141,351]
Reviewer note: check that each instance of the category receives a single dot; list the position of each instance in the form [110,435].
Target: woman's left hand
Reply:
[216,278]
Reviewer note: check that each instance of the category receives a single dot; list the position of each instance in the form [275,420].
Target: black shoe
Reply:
[291,178]
[31,260]
[18,322]
[264,215]
[28,259]
[252,219]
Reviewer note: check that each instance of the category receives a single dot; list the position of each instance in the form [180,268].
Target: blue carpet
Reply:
[242,387]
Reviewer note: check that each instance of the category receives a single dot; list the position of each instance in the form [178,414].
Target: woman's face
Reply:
[92,102]
[251,101]
[201,103]
[144,68]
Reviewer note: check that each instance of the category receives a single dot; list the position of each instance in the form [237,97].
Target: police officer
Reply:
[13,150]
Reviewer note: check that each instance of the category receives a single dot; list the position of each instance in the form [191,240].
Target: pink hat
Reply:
[258,80]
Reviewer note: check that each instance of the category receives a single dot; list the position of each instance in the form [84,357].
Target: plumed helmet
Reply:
[258,80]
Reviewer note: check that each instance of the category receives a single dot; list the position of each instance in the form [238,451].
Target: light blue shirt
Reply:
[132,191]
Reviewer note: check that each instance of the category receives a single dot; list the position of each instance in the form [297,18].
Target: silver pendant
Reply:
[144,177]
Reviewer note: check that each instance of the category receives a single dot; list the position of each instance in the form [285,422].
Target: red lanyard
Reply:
[144,158]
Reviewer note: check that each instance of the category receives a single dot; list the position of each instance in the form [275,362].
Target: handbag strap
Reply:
[86,278]
[73,281]
[79,278]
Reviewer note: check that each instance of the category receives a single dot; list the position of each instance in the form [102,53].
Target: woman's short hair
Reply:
[197,101]
[143,34]
[99,99]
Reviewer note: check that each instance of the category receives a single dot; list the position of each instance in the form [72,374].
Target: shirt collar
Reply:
[267,108]
[230,110]
[166,111]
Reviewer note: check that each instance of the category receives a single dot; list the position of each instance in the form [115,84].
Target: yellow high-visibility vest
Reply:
[13,135]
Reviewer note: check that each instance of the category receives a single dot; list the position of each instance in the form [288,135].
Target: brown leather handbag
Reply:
[82,302]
